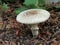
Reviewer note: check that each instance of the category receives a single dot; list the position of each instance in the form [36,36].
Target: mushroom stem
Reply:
[34,29]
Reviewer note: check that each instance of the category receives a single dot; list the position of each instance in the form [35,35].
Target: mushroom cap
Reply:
[33,16]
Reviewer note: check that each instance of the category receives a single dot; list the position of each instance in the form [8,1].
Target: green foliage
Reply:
[20,9]
[30,4]
[34,2]
[4,6]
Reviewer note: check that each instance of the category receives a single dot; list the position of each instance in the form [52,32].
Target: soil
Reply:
[15,33]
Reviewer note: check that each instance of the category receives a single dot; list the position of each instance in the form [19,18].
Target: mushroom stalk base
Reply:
[34,29]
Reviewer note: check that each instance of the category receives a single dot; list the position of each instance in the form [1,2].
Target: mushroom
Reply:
[33,17]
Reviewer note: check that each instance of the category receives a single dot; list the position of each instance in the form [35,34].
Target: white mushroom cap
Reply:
[33,16]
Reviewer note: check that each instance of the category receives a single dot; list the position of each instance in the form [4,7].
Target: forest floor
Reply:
[14,33]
